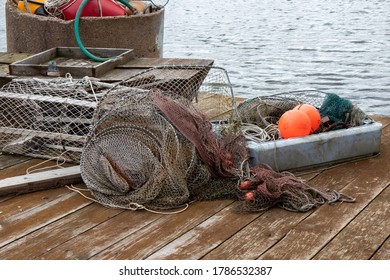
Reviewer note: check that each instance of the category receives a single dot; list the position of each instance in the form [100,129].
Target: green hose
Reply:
[77,30]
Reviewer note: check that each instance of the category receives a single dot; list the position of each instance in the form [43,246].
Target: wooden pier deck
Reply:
[61,224]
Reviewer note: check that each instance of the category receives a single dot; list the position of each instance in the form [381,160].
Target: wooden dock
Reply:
[61,224]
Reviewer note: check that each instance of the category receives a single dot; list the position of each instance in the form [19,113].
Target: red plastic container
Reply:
[94,8]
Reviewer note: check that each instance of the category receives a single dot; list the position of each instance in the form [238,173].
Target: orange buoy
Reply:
[312,113]
[294,123]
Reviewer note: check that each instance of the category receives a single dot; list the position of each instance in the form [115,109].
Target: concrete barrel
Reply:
[29,33]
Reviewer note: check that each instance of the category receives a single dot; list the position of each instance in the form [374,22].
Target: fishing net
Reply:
[146,142]
[151,149]
[135,157]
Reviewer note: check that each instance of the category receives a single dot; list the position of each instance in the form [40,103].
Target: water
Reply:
[268,47]
[275,46]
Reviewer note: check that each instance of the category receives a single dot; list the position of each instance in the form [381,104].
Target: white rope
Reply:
[58,164]
[27,6]
[257,134]
[132,206]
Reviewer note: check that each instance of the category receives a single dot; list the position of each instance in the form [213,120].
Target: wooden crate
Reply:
[65,60]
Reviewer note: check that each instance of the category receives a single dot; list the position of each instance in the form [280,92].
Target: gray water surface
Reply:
[269,47]
[275,46]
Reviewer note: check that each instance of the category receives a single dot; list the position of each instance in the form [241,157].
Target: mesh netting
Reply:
[47,118]
[154,150]
[136,156]
[146,143]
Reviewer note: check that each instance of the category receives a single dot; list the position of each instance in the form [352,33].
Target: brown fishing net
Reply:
[153,150]
[135,157]
[146,144]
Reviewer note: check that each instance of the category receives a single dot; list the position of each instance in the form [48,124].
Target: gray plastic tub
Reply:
[318,149]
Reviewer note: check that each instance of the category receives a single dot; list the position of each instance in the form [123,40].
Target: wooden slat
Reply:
[383,252]
[274,224]
[117,75]
[153,237]
[153,62]
[25,203]
[215,107]
[306,239]
[4,71]
[257,237]
[385,121]
[41,134]
[21,168]
[10,160]
[361,238]
[101,237]
[8,58]
[50,99]
[25,222]
[206,236]
[31,165]
[40,181]
[45,239]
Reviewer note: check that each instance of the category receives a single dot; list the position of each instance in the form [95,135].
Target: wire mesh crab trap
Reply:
[50,118]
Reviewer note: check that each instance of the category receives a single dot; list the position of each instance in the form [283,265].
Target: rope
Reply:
[27,6]
[59,165]
[257,134]
[132,206]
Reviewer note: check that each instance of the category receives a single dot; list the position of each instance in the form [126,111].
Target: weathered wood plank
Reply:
[156,235]
[103,236]
[155,62]
[8,58]
[384,120]
[31,165]
[206,236]
[50,99]
[20,169]
[215,107]
[25,222]
[26,203]
[4,71]
[265,231]
[45,239]
[10,160]
[42,134]
[310,236]
[362,237]
[256,237]
[117,75]
[40,181]
[384,251]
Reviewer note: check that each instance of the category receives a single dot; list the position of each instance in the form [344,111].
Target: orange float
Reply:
[312,113]
[294,123]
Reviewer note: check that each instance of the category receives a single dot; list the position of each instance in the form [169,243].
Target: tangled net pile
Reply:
[151,148]
[145,144]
